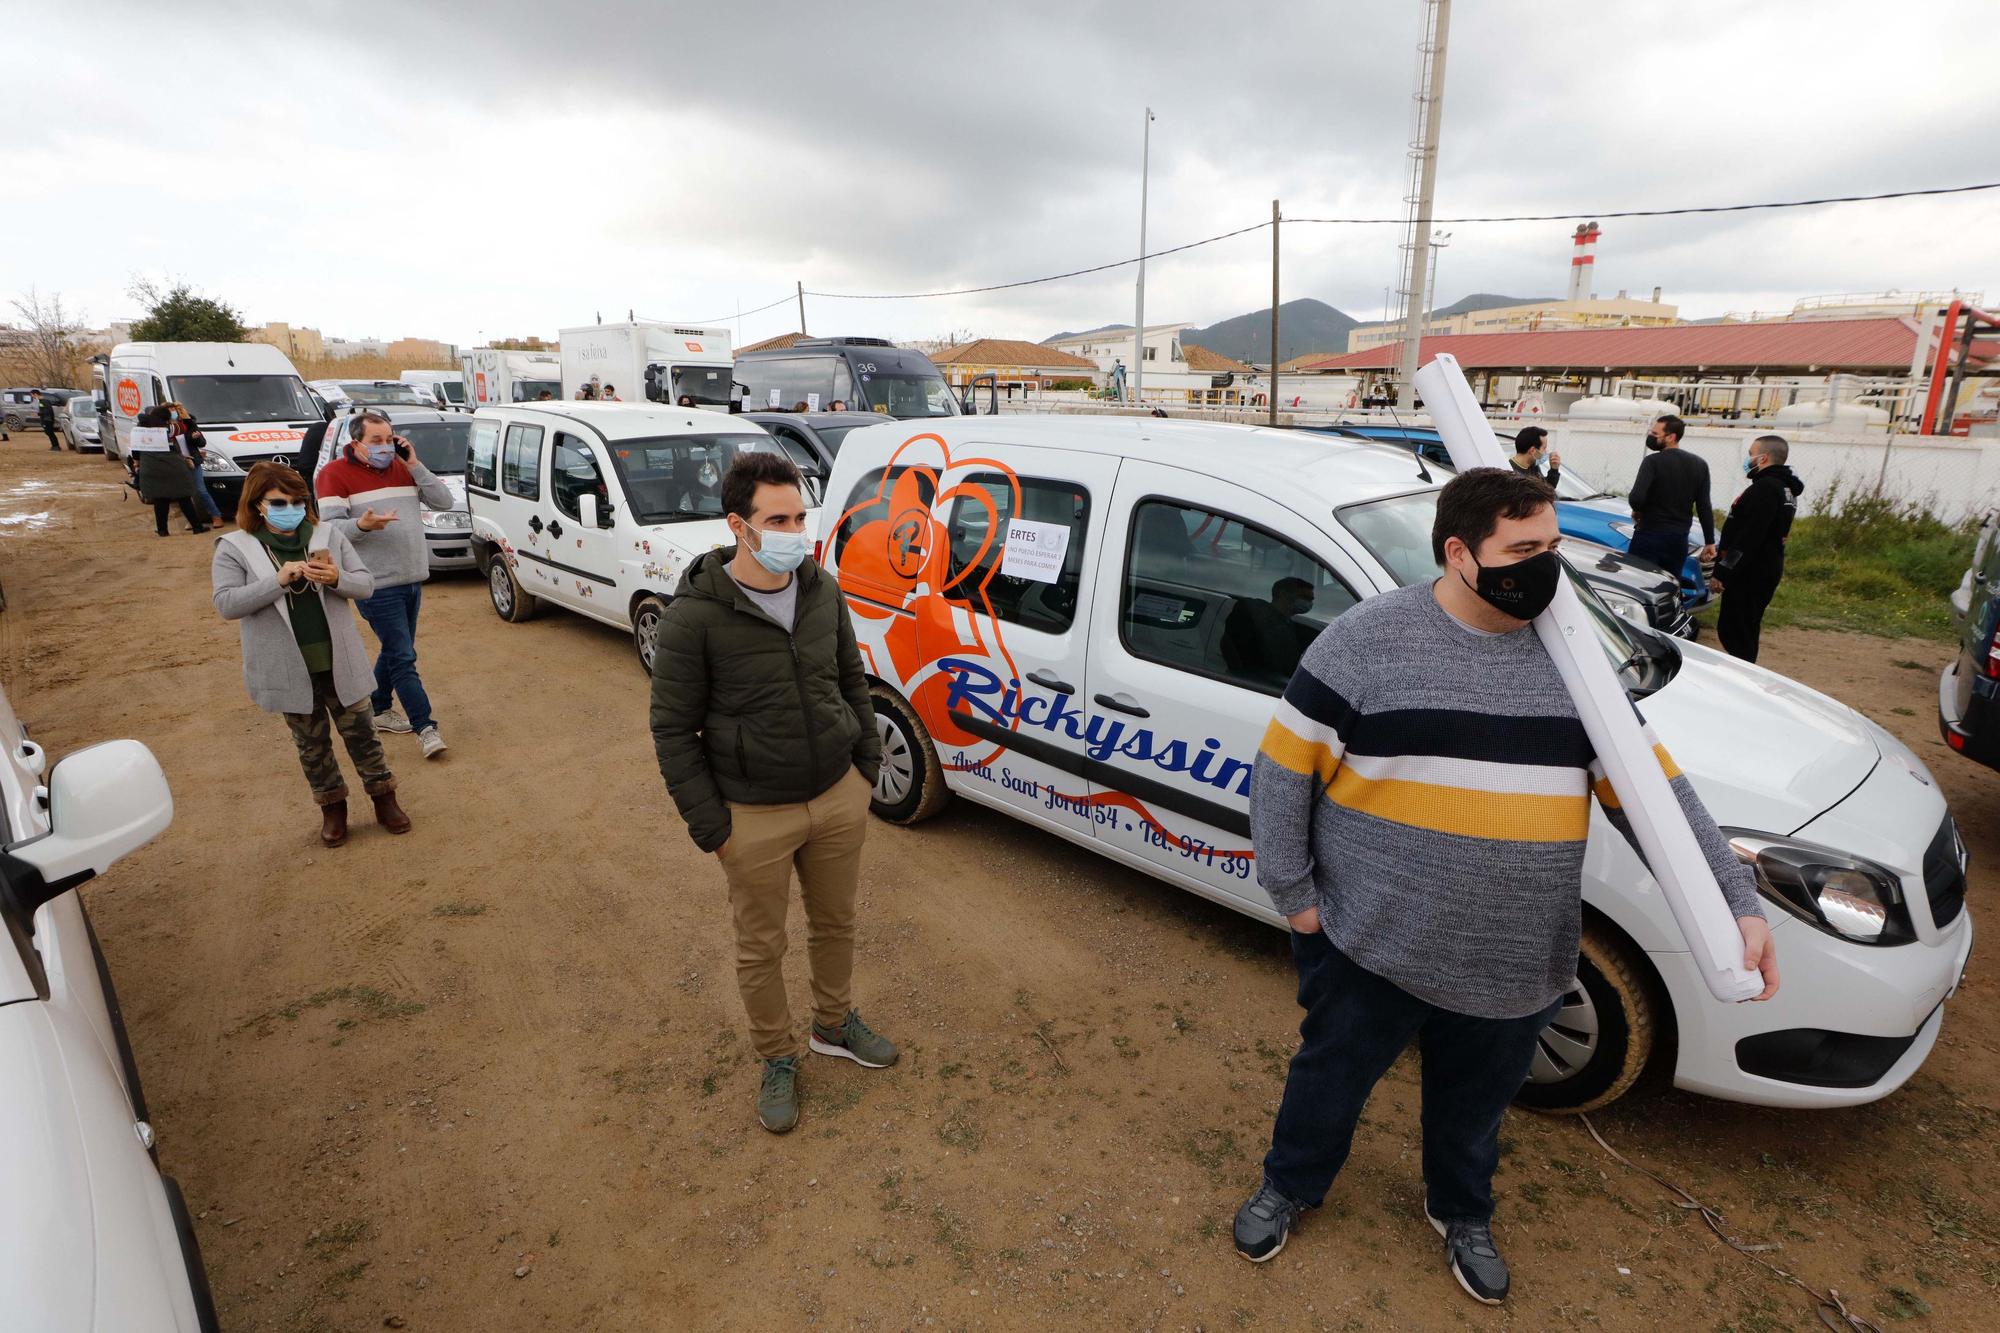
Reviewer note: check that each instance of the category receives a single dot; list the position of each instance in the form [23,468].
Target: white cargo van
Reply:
[651,362]
[599,507]
[495,375]
[250,402]
[444,388]
[1075,622]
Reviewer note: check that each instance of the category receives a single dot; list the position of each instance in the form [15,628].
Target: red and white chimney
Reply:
[1583,256]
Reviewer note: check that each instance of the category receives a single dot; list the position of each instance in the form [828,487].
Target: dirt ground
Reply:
[492,1075]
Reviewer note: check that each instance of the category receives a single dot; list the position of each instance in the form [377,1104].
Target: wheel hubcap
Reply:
[899,768]
[502,587]
[648,631]
[1567,1044]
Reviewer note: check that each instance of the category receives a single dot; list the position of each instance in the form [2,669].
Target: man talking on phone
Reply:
[374,492]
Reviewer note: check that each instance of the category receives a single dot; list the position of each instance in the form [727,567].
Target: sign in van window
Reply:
[1029,563]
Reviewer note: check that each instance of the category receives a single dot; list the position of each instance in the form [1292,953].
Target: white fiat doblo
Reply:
[1087,624]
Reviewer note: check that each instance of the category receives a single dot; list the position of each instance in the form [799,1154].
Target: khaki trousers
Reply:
[821,839]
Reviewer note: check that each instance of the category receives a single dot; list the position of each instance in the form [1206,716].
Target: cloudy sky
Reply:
[469,171]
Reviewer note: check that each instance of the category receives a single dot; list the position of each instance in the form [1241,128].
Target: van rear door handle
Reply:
[555,528]
[1047,680]
[534,523]
[1121,703]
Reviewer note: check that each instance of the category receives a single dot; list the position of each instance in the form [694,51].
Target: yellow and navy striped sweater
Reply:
[1427,786]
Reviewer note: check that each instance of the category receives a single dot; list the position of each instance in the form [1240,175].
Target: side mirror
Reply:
[586,506]
[104,802]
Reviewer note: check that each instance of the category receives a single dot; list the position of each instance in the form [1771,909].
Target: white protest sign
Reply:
[774,398]
[1034,550]
[150,440]
[812,402]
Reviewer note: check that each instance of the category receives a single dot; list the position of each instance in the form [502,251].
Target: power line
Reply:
[724,319]
[1395,221]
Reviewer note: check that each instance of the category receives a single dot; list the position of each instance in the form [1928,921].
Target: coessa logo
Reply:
[977,688]
[266,436]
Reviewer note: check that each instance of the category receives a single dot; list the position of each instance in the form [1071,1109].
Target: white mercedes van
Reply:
[1078,622]
[250,402]
[599,507]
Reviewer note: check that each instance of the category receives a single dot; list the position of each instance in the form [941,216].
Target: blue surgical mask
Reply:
[1749,467]
[380,454]
[780,552]
[284,517]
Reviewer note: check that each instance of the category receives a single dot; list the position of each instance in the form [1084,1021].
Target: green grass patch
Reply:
[1870,563]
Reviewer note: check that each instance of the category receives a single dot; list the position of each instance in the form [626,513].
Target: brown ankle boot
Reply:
[390,815]
[333,823]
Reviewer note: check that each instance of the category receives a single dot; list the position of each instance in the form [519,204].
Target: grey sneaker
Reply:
[392,719]
[430,742]
[1264,1223]
[778,1097]
[1473,1258]
[853,1040]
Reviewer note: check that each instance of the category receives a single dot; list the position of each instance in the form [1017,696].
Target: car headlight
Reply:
[1624,530]
[1842,895]
[220,465]
[456,520]
[1625,606]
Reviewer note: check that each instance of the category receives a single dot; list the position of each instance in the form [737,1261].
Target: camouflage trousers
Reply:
[313,734]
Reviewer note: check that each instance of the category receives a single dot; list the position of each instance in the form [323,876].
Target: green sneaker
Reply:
[854,1040]
[778,1098]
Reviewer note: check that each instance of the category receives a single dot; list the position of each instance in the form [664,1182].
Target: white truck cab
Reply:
[249,399]
[599,507]
[650,362]
[1087,624]
[495,375]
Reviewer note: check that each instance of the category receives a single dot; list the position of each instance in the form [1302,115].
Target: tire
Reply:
[13,422]
[1598,1044]
[910,788]
[646,629]
[510,602]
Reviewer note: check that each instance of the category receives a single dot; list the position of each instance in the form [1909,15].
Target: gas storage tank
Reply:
[1811,414]
[1621,409]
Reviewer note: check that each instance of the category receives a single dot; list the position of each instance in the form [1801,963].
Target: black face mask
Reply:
[1655,445]
[1523,589]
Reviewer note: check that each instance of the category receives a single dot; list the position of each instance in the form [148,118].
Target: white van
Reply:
[444,388]
[250,402]
[600,507]
[494,375]
[1072,621]
[651,362]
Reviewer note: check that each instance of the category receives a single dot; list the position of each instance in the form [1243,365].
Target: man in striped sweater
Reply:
[374,491]
[1419,811]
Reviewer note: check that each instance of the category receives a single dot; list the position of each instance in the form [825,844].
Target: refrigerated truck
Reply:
[495,375]
[248,397]
[650,361]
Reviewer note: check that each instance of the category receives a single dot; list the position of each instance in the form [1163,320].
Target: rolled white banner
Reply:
[1659,825]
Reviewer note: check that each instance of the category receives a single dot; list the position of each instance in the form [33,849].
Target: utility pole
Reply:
[1274,313]
[1139,315]
[1427,112]
[802,308]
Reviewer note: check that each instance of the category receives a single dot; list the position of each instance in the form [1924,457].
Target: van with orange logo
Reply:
[249,400]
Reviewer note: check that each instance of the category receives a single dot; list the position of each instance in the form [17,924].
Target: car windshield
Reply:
[528,391]
[673,478]
[709,386]
[440,445]
[1397,531]
[454,390]
[831,436]
[904,396]
[239,399]
[366,393]
[1571,485]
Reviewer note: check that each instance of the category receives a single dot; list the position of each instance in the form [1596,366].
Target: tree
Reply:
[179,315]
[47,344]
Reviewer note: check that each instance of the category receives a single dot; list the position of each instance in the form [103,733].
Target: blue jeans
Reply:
[1668,550]
[1356,1024]
[392,614]
[207,500]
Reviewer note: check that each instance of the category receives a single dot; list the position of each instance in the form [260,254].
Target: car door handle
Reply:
[555,528]
[1121,703]
[534,523]
[1047,680]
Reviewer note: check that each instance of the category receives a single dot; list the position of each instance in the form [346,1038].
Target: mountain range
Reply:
[1305,325]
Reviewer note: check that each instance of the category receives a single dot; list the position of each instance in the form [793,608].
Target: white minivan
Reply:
[1078,622]
[600,507]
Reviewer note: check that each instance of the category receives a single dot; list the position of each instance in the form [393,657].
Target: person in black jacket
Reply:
[1670,491]
[1753,545]
[45,412]
[1531,450]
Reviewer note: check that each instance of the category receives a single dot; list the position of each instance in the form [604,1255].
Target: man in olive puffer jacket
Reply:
[767,741]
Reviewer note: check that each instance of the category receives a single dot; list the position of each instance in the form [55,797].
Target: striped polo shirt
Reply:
[395,554]
[1427,786]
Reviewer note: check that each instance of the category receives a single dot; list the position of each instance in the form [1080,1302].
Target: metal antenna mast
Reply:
[1427,110]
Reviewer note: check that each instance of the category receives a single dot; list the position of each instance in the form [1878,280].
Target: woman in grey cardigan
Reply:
[302,655]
